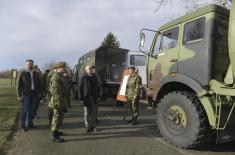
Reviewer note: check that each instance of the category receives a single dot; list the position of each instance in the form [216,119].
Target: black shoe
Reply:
[56,137]
[32,126]
[60,133]
[134,121]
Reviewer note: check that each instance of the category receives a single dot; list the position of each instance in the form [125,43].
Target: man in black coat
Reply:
[88,93]
[28,91]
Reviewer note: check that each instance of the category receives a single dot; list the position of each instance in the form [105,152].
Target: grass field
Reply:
[9,110]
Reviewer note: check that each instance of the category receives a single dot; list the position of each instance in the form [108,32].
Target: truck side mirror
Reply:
[142,39]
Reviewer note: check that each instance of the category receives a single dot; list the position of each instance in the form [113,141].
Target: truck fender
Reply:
[186,80]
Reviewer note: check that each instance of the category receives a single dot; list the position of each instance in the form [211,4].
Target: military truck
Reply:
[110,64]
[191,71]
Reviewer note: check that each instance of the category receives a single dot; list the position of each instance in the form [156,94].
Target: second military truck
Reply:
[110,64]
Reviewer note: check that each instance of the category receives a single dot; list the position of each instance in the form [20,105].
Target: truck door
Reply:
[164,58]
[139,62]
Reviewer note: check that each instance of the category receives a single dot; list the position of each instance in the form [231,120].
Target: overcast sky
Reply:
[63,30]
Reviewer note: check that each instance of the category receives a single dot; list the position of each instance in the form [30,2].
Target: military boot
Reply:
[56,137]
[60,133]
[134,122]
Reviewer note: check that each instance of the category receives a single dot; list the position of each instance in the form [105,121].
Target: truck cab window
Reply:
[137,60]
[88,58]
[157,46]
[81,61]
[194,31]
[170,38]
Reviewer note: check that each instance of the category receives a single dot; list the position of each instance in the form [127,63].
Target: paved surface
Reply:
[115,137]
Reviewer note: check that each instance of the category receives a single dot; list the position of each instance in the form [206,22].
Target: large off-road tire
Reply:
[182,121]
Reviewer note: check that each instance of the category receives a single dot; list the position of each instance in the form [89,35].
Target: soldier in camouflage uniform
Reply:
[57,102]
[50,110]
[134,86]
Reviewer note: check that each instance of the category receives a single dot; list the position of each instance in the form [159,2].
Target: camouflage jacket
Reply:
[134,86]
[57,89]
[48,79]
[68,82]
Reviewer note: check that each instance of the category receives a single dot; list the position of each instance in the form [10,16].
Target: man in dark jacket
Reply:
[100,89]
[28,90]
[88,93]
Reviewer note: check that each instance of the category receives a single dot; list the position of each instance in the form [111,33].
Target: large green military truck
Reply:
[110,64]
[191,71]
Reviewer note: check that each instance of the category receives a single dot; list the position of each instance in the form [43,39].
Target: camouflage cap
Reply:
[131,67]
[60,65]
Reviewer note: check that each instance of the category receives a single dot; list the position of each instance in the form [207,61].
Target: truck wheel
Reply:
[182,120]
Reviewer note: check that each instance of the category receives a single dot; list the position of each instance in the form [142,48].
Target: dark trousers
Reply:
[35,112]
[90,113]
[28,106]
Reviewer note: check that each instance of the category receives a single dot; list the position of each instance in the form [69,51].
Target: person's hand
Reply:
[20,99]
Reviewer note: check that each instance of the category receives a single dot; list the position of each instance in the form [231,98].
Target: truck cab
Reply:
[188,63]
[188,49]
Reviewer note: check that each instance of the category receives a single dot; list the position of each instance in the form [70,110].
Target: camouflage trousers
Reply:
[134,106]
[56,117]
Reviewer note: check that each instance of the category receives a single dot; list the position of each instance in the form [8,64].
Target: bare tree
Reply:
[190,5]
[160,3]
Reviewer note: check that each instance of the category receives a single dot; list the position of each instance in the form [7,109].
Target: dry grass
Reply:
[9,110]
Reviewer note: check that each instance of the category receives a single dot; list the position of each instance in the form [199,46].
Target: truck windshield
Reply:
[170,38]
